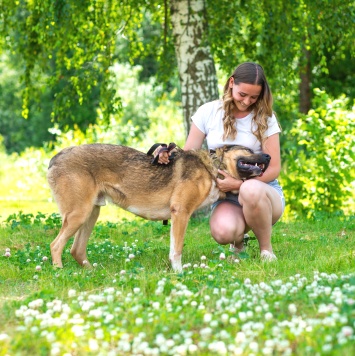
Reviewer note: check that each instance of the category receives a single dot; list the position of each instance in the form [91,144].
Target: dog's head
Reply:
[241,162]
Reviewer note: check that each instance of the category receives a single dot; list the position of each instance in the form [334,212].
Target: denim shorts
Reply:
[233,198]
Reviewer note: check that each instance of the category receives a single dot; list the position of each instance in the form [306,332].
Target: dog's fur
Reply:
[83,177]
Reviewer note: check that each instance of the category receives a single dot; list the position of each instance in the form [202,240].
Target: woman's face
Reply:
[244,95]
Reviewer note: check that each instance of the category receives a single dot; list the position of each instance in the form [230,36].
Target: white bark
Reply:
[195,63]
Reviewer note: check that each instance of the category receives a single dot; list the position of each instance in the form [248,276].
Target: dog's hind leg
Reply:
[78,250]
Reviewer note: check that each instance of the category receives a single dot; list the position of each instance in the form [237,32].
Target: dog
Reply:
[82,178]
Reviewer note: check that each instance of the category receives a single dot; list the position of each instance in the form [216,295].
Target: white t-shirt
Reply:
[209,119]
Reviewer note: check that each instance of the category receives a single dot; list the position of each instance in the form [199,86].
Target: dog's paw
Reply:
[176,264]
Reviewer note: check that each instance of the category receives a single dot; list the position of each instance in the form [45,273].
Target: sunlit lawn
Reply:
[131,303]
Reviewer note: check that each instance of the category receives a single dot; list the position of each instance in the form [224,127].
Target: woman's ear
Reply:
[231,82]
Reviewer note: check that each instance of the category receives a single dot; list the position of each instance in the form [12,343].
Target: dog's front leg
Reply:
[179,221]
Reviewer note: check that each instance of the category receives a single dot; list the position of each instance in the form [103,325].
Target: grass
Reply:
[131,303]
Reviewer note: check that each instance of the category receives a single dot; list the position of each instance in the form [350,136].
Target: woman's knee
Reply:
[225,233]
[252,192]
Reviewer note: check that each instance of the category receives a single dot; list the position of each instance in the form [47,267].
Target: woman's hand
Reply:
[228,183]
[163,155]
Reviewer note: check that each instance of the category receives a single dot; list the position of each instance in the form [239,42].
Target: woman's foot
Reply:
[266,255]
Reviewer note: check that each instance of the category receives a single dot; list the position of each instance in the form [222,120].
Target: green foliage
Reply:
[319,169]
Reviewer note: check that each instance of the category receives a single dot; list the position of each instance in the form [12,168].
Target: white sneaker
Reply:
[266,255]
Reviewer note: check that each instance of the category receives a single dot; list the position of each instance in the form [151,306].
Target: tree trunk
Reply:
[305,84]
[197,72]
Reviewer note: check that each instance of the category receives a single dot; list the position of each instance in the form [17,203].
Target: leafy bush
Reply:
[319,172]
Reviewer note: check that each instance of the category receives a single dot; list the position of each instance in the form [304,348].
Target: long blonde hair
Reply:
[249,73]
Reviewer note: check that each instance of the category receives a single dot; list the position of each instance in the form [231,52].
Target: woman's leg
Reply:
[262,207]
[227,224]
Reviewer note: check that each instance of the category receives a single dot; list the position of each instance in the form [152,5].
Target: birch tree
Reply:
[196,67]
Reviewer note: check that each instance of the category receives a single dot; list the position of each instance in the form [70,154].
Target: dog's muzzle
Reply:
[255,167]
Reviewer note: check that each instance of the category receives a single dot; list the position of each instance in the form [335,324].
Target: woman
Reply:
[244,116]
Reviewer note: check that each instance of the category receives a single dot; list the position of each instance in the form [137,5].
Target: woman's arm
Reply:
[195,139]
[272,147]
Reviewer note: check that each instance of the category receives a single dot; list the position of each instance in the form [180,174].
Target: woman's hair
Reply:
[248,73]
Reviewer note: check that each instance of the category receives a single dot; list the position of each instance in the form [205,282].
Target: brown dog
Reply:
[83,177]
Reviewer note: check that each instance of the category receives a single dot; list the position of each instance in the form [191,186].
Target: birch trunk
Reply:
[196,67]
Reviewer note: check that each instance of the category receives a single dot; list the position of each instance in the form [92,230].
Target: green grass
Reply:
[302,304]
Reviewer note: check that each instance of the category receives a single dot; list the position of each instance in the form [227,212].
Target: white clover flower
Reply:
[267,351]
[35,276]
[44,258]
[205,332]
[203,258]
[258,309]
[347,331]
[192,348]
[222,256]
[28,260]
[85,262]
[156,305]
[247,281]
[136,290]
[268,316]
[139,321]
[94,265]
[93,345]
[4,337]
[242,316]
[122,272]
[254,347]
[225,318]
[131,256]
[240,337]
[7,254]
[327,347]
[292,308]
